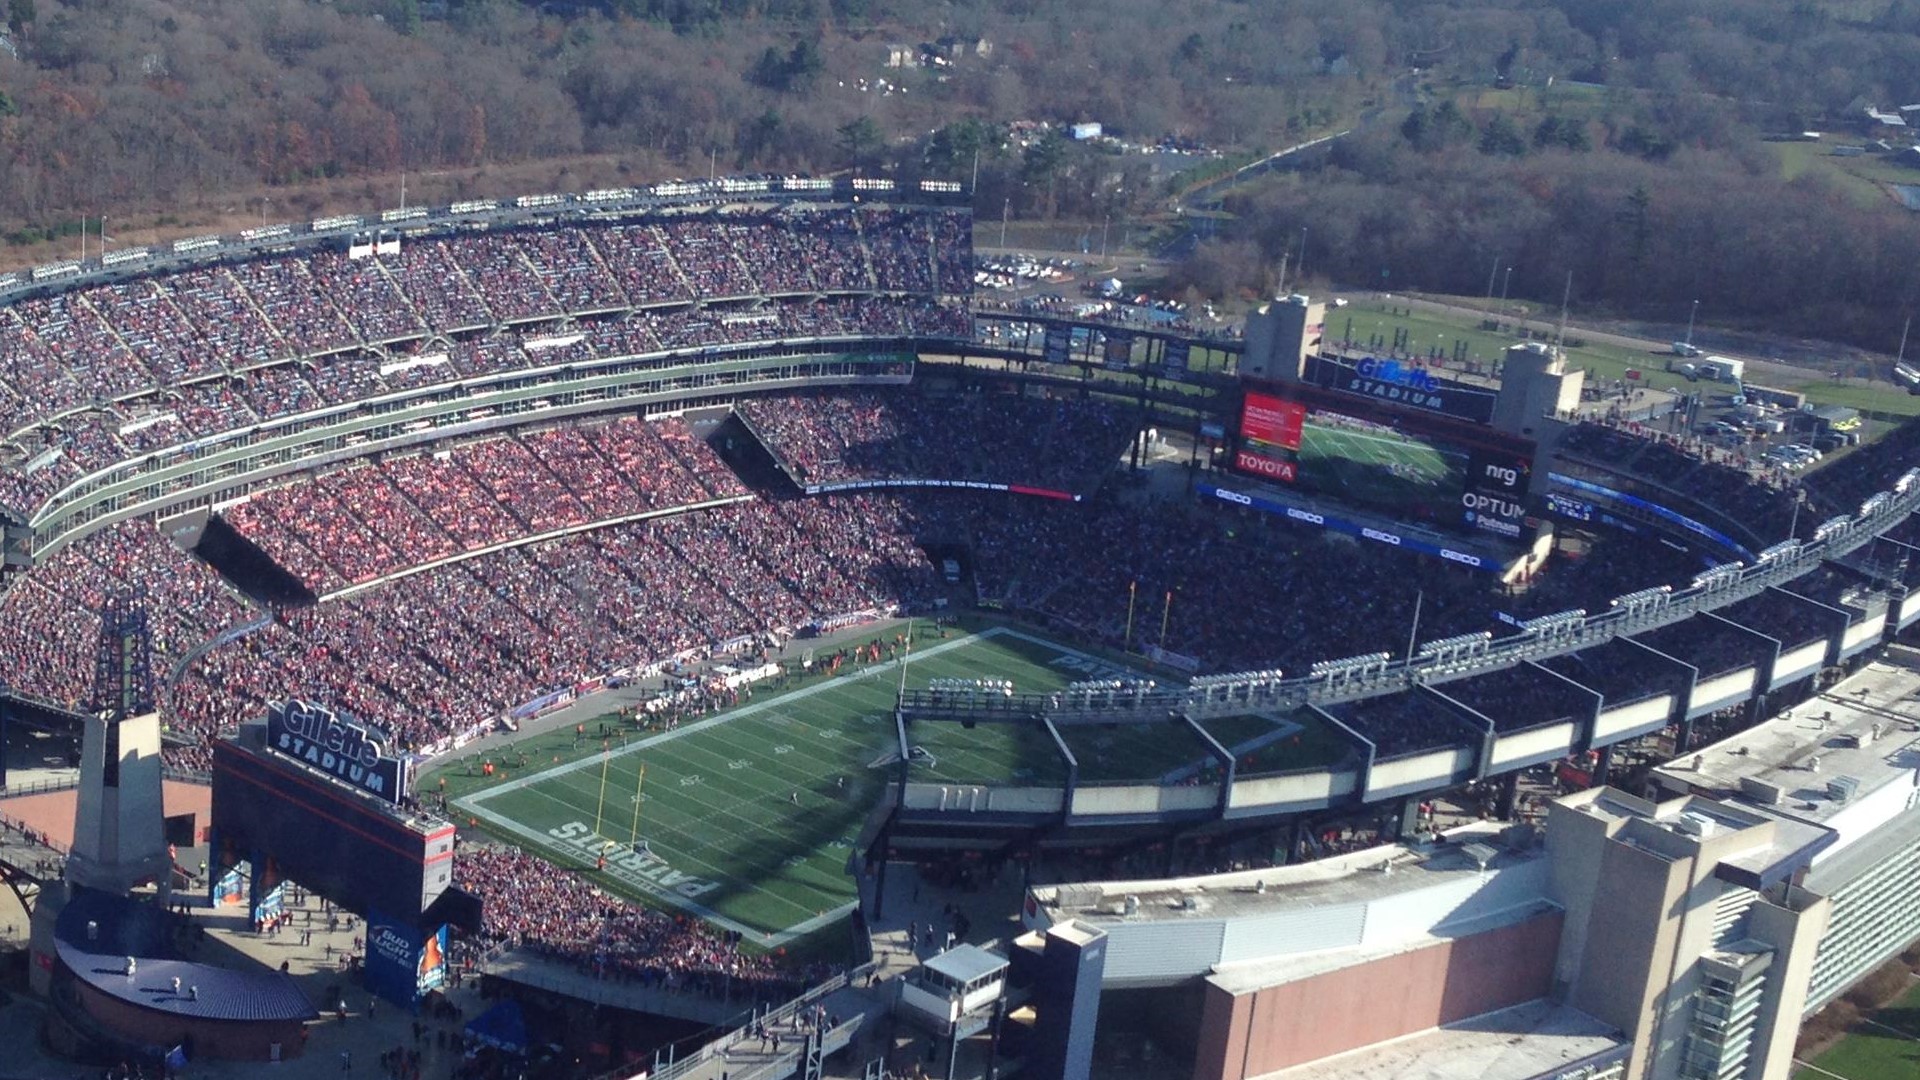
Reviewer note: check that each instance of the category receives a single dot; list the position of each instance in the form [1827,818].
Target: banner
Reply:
[403,962]
[1058,344]
[1175,354]
[1340,525]
[1675,517]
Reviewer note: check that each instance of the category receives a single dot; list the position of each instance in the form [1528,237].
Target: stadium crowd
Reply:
[105,373]
[1758,501]
[869,435]
[436,653]
[530,904]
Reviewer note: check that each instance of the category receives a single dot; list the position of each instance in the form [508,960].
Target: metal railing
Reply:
[744,1030]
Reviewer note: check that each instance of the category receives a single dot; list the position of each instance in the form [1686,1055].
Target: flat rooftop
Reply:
[1780,844]
[1521,1043]
[1354,877]
[1864,731]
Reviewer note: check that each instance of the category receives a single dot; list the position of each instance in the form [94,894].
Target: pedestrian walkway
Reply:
[310,953]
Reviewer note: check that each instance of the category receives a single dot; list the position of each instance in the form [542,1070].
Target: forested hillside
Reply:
[1621,139]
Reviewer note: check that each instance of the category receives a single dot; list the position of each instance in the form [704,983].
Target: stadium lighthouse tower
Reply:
[1281,335]
[119,840]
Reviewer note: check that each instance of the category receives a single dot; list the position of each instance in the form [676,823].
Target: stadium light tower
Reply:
[118,838]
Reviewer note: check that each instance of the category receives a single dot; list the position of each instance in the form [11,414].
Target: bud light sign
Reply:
[403,961]
[336,745]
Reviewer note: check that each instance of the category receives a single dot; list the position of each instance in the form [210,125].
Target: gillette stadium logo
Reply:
[1395,381]
[1398,374]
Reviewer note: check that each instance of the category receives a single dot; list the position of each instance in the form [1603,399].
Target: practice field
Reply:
[748,817]
[1378,469]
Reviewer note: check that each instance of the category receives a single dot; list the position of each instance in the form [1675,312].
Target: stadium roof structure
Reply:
[1622,670]
[1526,1041]
[1844,760]
[1358,877]
[97,932]
[206,992]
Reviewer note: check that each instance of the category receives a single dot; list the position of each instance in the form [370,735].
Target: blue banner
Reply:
[403,961]
[1350,528]
[1675,517]
[1175,356]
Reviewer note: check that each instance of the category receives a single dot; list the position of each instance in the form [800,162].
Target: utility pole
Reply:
[1690,315]
[1005,209]
[1566,296]
[1506,281]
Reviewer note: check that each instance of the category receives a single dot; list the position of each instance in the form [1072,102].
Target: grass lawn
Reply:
[748,817]
[1369,317]
[1883,1045]
[1860,178]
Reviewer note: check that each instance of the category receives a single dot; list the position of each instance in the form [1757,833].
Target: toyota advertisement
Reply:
[1415,466]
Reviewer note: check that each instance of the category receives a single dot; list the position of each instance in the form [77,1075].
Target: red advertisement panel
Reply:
[1271,420]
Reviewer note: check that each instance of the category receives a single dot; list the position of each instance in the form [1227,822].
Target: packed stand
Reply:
[910,434]
[1840,488]
[54,613]
[355,525]
[527,902]
[1757,500]
[266,320]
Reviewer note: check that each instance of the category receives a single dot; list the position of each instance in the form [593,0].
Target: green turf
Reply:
[719,810]
[1376,469]
[1883,1045]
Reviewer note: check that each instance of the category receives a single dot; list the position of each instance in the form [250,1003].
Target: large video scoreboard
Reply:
[1377,453]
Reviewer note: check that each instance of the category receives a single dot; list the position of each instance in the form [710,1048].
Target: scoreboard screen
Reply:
[1413,465]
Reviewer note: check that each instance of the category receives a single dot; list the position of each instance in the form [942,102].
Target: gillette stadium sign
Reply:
[338,746]
[1400,383]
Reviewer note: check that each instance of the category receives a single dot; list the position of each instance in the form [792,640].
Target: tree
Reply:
[1502,136]
[758,140]
[406,16]
[1434,129]
[20,15]
[7,107]
[1647,144]
[860,139]
[770,70]
[803,63]
[1565,134]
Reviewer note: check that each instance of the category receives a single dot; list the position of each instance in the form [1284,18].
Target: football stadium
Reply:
[691,616]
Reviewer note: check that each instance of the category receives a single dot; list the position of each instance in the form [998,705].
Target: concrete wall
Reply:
[1251,1034]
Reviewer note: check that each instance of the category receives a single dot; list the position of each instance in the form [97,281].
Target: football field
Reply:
[747,817]
[1378,469]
